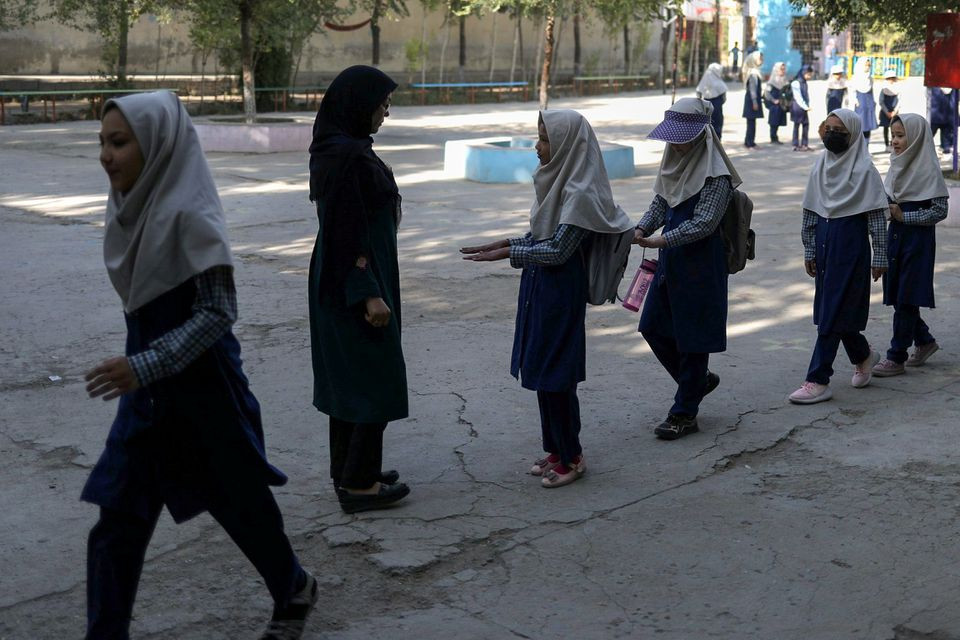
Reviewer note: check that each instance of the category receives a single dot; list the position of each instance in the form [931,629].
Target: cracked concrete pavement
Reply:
[838,520]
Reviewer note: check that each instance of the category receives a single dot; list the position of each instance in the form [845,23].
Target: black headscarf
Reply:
[347,179]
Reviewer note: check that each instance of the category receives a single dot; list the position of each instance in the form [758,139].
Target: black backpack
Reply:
[786,97]
[738,238]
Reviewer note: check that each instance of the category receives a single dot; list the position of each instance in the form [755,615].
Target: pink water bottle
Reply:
[640,285]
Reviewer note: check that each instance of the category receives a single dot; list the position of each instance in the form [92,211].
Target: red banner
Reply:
[943,51]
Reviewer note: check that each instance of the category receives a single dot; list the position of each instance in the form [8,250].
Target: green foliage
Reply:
[416,52]
[16,13]
[910,16]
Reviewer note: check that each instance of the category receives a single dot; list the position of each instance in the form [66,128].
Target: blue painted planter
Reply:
[513,160]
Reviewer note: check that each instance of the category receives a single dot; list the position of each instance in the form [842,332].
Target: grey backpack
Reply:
[606,260]
[738,238]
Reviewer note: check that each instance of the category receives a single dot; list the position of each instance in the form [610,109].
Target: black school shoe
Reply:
[676,427]
[356,502]
[288,623]
[386,477]
[713,381]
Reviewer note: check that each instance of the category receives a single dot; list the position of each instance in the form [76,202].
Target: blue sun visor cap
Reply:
[678,127]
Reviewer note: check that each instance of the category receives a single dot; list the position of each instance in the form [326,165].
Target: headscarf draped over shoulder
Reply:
[712,83]
[845,184]
[170,226]
[915,174]
[573,188]
[683,175]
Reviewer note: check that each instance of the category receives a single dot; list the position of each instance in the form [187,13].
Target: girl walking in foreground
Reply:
[187,434]
[573,203]
[843,204]
[918,201]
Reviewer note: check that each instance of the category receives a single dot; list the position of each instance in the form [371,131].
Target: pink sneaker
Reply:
[886,368]
[811,393]
[864,371]
[920,354]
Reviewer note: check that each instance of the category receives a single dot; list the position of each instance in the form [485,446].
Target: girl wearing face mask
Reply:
[863,101]
[684,316]
[573,204]
[360,377]
[752,105]
[918,201]
[844,204]
[187,434]
[777,114]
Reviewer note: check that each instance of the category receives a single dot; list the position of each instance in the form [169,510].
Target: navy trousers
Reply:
[825,352]
[801,140]
[356,453]
[689,371]
[118,542]
[908,329]
[751,139]
[946,135]
[774,130]
[560,423]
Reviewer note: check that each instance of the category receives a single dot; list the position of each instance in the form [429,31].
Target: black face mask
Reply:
[836,142]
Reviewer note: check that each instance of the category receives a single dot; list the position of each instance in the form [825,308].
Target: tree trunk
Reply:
[626,49]
[423,45]
[246,62]
[493,47]
[676,56]
[156,71]
[516,48]
[547,62]
[204,54]
[577,51]
[375,33]
[555,56]
[538,58]
[719,33]
[443,46]
[463,46]
[124,28]
[664,43]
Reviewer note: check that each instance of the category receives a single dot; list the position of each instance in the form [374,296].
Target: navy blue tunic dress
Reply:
[841,303]
[716,118]
[887,103]
[911,253]
[752,93]
[549,341]
[777,115]
[797,113]
[173,439]
[867,110]
[687,299]
[835,99]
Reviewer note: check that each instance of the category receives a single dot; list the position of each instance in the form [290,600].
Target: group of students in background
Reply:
[782,96]
[188,433]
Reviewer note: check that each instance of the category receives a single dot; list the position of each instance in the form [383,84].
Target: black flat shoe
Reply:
[392,476]
[676,427]
[356,502]
[713,380]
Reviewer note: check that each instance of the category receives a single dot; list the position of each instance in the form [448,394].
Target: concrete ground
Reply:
[834,521]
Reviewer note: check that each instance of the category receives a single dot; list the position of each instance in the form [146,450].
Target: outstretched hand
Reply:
[497,250]
[653,242]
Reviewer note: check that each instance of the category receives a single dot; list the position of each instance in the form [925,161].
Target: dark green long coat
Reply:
[359,372]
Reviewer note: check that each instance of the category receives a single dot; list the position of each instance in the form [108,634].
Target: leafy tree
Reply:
[382,10]
[16,13]
[909,16]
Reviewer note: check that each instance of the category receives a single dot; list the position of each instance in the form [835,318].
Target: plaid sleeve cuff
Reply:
[877,220]
[147,366]
[518,255]
[808,234]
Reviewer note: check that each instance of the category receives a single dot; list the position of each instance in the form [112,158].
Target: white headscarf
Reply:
[915,174]
[836,83]
[778,76]
[170,225]
[862,80]
[573,188]
[683,175]
[891,88]
[845,184]
[752,66]
[712,84]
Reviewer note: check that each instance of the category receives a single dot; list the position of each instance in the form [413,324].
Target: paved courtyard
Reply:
[835,521]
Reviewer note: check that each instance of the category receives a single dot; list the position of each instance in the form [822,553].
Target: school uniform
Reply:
[942,110]
[916,184]
[866,105]
[777,115]
[843,204]
[835,96]
[798,111]
[684,317]
[889,102]
[713,89]
[752,96]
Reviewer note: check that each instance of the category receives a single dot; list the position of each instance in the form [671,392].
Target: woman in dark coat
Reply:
[918,201]
[684,316]
[188,434]
[354,288]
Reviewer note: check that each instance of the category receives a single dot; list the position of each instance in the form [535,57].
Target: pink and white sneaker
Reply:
[886,368]
[864,371]
[811,393]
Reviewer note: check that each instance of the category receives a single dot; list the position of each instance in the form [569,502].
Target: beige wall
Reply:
[48,47]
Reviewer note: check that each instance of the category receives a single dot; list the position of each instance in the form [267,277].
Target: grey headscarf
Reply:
[573,188]
[915,174]
[845,184]
[170,225]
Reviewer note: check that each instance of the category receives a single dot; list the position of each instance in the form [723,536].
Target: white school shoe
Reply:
[864,371]
[811,393]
